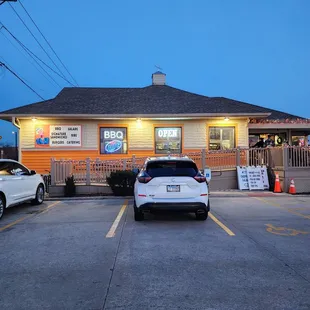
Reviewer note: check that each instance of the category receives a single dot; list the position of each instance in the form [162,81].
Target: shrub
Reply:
[70,187]
[122,182]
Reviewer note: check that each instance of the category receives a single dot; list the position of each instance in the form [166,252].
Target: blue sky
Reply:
[254,51]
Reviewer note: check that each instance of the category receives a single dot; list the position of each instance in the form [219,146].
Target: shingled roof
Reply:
[150,100]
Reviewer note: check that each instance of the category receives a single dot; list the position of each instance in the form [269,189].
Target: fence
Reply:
[96,171]
[297,157]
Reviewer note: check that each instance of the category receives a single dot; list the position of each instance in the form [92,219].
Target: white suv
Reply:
[171,183]
[18,184]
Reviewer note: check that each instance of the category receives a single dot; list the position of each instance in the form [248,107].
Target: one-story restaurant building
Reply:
[112,123]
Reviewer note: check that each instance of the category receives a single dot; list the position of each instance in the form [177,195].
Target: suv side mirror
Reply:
[33,172]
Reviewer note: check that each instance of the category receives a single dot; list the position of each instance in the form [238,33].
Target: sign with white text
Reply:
[265,177]
[243,182]
[255,178]
[113,140]
[58,136]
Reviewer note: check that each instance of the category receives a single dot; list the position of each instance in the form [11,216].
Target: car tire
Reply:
[2,206]
[39,195]
[139,216]
[202,216]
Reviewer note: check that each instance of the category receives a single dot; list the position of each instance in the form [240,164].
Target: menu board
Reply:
[58,136]
[242,175]
[265,177]
[255,178]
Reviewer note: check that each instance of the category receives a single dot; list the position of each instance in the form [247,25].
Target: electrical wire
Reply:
[34,56]
[51,79]
[7,63]
[48,42]
[36,40]
[16,75]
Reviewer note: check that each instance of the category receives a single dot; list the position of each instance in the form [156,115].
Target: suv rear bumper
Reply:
[177,206]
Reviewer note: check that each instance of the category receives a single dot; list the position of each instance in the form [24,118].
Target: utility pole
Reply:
[1,2]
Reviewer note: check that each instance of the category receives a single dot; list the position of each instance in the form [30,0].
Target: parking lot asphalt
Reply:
[251,253]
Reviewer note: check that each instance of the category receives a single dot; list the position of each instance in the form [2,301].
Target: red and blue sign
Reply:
[113,146]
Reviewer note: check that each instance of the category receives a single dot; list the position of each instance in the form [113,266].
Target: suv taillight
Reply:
[144,178]
[200,178]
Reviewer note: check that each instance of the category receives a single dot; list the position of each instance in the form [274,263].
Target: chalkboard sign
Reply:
[265,177]
[242,175]
[255,178]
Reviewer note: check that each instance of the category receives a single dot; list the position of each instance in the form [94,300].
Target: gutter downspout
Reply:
[16,123]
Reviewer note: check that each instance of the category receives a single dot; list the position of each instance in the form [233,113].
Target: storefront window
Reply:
[168,140]
[222,138]
[113,140]
[298,141]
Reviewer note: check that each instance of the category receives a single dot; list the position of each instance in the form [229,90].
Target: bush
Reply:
[70,187]
[122,182]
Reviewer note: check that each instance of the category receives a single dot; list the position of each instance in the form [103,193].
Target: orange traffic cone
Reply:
[277,185]
[292,190]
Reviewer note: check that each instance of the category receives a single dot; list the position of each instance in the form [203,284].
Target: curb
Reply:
[215,195]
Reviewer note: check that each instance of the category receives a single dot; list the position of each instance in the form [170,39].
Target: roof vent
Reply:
[158,78]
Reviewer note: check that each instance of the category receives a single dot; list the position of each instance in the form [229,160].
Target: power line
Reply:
[48,43]
[7,63]
[29,54]
[34,56]
[5,66]
[36,39]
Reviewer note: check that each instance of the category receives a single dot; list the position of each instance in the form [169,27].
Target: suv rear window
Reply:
[171,168]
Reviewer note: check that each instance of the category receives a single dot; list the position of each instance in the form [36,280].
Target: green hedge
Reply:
[122,182]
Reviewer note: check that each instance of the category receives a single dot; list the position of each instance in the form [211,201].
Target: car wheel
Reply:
[201,215]
[2,206]
[139,216]
[39,195]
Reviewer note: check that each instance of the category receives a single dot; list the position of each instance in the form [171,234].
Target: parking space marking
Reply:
[224,227]
[277,205]
[115,224]
[49,207]
[27,216]
[15,222]
[283,231]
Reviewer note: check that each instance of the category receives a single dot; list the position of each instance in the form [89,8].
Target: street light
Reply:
[16,146]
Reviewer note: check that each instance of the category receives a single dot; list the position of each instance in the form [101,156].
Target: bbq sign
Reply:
[113,140]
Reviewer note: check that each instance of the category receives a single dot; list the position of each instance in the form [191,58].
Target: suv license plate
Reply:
[173,188]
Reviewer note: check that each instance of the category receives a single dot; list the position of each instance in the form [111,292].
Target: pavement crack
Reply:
[115,259]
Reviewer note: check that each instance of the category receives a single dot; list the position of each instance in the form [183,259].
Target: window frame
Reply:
[111,127]
[232,126]
[170,126]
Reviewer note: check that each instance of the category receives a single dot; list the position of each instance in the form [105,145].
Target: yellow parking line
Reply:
[27,216]
[277,205]
[218,222]
[15,222]
[49,207]
[114,226]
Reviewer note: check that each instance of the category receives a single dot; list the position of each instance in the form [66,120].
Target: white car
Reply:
[171,183]
[19,184]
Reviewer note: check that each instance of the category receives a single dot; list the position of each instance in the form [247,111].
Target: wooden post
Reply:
[203,159]
[124,164]
[133,161]
[87,171]
[53,171]
[238,158]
